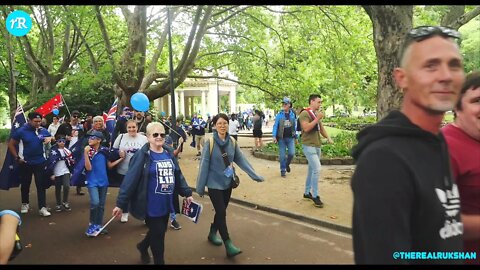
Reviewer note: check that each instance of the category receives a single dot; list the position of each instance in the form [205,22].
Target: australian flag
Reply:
[191,211]
[110,118]
[9,175]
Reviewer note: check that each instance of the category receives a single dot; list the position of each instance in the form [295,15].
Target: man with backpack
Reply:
[311,142]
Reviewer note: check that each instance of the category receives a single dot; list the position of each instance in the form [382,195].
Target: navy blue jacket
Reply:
[133,191]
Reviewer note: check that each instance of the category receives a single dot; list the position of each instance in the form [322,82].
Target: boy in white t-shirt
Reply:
[60,166]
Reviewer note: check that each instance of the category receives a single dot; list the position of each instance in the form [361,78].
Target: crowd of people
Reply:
[415,186]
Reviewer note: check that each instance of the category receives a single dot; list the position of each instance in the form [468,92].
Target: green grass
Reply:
[332,132]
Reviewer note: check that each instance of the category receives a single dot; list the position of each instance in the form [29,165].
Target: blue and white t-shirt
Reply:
[161,184]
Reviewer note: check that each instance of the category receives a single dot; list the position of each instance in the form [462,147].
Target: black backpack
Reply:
[299,127]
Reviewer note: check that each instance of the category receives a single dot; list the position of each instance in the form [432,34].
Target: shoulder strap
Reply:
[211,145]
[224,155]
[212,142]
[312,115]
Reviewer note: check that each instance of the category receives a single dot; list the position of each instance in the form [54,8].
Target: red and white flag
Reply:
[55,103]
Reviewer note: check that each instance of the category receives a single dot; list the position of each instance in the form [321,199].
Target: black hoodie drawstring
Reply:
[447,170]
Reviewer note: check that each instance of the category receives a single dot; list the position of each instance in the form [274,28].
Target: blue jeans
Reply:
[98,196]
[313,157]
[282,145]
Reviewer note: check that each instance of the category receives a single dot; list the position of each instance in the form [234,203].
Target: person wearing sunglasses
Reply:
[404,196]
[33,161]
[215,175]
[96,163]
[59,167]
[463,139]
[148,188]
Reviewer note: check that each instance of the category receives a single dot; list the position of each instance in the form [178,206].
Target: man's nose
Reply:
[445,73]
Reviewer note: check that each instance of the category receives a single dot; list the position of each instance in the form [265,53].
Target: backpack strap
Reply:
[212,142]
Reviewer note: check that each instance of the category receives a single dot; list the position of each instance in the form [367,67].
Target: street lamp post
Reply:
[170,56]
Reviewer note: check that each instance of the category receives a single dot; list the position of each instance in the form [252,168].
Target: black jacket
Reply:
[404,196]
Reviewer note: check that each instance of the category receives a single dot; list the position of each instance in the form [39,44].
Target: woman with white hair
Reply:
[147,190]
[99,125]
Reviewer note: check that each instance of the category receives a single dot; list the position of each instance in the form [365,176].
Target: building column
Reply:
[192,106]
[204,105]
[169,104]
[182,103]
[175,93]
[212,98]
[158,104]
[233,100]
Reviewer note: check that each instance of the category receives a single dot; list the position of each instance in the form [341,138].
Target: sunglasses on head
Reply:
[155,135]
[423,32]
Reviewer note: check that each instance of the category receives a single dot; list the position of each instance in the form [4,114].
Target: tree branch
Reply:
[93,61]
[228,17]
[108,46]
[188,45]
[465,18]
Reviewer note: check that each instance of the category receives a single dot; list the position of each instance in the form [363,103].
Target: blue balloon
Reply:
[164,114]
[55,111]
[140,102]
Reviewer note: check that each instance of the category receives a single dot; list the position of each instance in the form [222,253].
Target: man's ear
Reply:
[400,77]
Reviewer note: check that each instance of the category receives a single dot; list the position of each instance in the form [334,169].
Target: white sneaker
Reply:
[124,218]
[44,212]
[25,207]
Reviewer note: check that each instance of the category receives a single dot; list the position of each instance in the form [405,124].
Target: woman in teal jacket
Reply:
[148,186]
[213,175]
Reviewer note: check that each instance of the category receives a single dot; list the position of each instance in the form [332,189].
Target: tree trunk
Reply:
[132,65]
[390,24]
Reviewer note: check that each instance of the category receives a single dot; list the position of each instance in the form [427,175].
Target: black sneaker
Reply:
[66,205]
[317,202]
[144,256]
[288,168]
[174,224]
[308,196]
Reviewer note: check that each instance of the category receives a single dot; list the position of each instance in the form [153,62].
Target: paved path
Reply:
[285,195]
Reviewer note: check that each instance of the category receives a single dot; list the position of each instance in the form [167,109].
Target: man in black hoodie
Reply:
[405,199]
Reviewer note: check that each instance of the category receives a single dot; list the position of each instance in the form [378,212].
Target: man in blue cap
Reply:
[283,133]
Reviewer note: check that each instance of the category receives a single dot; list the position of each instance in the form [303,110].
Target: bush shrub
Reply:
[4,134]
[350,123]
[341,148]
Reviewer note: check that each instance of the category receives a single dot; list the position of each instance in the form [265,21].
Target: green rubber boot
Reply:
[212,236]
[231,249]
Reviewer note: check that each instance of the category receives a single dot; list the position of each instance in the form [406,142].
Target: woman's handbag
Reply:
[235,178]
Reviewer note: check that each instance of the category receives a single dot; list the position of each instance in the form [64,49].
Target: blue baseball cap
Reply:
[286,100]
[95,133]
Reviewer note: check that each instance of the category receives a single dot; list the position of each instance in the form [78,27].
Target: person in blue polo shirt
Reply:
[33,160]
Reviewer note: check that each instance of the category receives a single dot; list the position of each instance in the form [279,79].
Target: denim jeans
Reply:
[313,175]
[282,145]
[98,196]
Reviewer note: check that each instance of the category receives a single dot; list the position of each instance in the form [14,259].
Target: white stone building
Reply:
[200,96]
